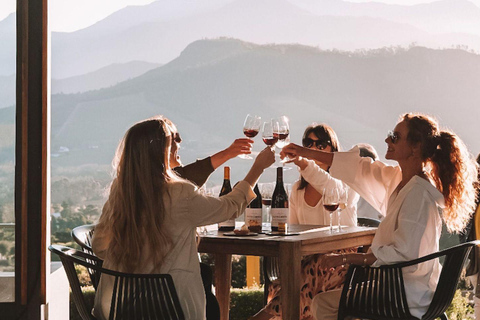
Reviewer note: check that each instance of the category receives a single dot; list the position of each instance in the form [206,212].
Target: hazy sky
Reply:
[70,15]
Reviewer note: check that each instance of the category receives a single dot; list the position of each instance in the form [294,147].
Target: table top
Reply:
[311,239]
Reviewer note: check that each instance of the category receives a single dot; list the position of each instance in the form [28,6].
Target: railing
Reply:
[9,225]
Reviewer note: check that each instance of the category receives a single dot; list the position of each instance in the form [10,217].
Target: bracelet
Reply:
[364,259]
[344,259]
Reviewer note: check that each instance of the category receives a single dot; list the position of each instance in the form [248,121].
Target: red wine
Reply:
[270,141]
[228,225]
[250,132]
[253,213]
[267,202]
[279,209]
[281,136]
[330,207]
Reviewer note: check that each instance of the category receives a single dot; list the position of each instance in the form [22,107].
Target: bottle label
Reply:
[279,215]
[253,216]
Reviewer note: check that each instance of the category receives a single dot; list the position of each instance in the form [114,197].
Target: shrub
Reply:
[460,309]
[244,303]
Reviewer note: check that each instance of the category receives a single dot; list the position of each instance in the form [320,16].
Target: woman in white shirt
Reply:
[148,223]
[434,171]
[306,201]
[306,207]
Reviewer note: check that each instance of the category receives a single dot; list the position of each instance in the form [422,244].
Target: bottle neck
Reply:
[226,173]
[279,175]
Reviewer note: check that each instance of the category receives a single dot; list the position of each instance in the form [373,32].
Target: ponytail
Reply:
[452,168]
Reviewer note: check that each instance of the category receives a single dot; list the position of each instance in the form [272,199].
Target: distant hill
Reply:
[159,31]
[102,78]
[444,16]
[214,83]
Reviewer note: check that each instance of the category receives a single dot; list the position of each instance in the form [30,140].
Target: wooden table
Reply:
[289,250]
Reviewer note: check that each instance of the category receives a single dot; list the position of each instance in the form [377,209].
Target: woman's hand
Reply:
[265,158]
[300,162]
[329,261]
[240,146]
[292,151]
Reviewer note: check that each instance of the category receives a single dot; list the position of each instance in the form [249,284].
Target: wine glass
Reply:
[331,199]
[342,204]
[266,190]
[251,127]
[267,135]
[281,131]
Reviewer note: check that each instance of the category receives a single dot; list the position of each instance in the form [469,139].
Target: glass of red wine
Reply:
[251,127]
[267,135]
[281,131]
[331,201]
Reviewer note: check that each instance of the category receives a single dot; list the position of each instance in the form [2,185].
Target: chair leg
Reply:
[444,316]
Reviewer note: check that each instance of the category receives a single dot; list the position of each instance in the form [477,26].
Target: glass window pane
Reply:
[7,149]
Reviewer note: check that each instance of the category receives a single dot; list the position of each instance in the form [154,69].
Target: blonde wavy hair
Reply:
[451,167]
[135,206]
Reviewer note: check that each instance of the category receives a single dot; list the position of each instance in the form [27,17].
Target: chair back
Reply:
[83,235]
[367,222]
[453,264]
[135,296]
[379,292]
[68,263]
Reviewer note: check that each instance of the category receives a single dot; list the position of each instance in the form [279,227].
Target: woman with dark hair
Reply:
[435,170]
[306,207]
[148,224]
[306,203]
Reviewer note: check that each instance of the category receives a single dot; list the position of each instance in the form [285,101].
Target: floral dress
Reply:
[315,279]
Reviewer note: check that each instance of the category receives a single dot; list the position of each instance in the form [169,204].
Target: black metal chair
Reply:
[367,222]
[83,235]
[379,292]
[135,296]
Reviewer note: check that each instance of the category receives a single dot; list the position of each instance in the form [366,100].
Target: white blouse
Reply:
[302,213]
[412,224]
[186,209]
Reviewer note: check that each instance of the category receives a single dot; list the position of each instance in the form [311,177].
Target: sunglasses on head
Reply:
[176,137]
[393,136]
[319,144]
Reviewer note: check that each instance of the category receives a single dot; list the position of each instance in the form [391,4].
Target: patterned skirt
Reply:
[315,280]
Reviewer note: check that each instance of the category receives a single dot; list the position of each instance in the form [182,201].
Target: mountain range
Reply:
[215,83]
[158,32]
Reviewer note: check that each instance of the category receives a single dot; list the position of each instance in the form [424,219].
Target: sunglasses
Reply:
[176,137]
[319,144]
[393,136]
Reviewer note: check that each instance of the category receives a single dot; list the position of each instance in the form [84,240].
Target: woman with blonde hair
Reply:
[434,171]
[148,223]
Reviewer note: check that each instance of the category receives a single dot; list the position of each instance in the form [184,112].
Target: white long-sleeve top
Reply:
[186,209]
[302,213]
[412,224]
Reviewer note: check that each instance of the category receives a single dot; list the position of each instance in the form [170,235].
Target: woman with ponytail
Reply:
[434,171]
[148,224]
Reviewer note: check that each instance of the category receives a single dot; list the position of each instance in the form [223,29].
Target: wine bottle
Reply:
[229,224]
[253,213]
[279,209]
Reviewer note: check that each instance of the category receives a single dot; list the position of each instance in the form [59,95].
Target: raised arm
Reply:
[239,146]
[295,151]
